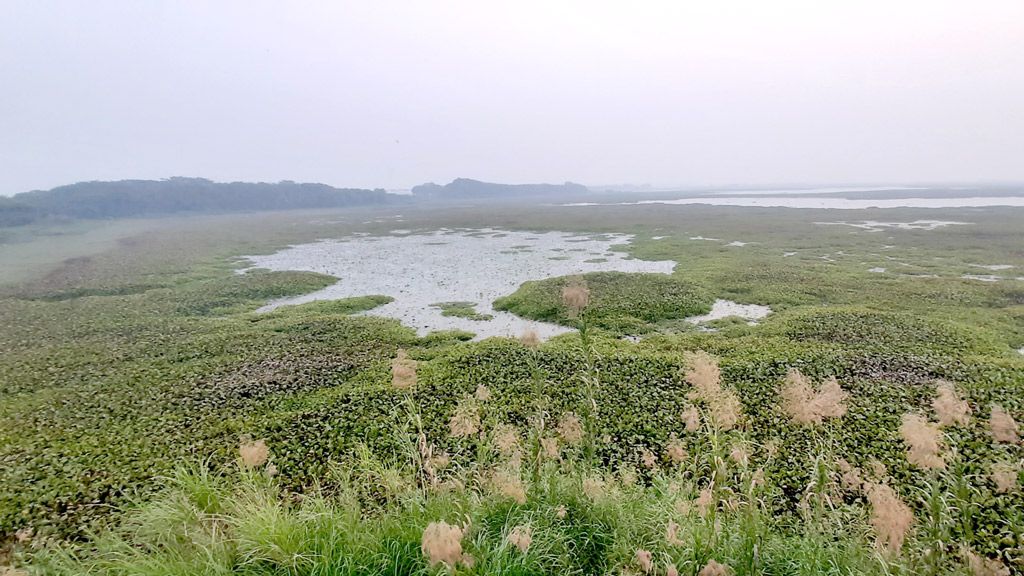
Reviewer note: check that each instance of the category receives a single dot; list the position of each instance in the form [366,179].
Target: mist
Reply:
[396,94]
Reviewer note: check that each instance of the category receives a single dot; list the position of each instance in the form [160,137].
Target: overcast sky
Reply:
[393,94]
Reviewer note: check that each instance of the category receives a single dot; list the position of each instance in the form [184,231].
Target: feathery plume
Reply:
[672,534]
[805,406]
[508,485]
[850,478]
[704,502]
[465,421]
[593,488]
[403,371]
[648,459]
[890,517]
[714,569]
[691,416]
[576,296]
[570,429]
[672,570]
[924,441]
[483,393]
[643,558]
[981,566]
[1004,476]
[549,448]
[506,439]
[705,376]
[530,339]
[561,511]
[1004,428]
[521,537]
[442,542]
[950,407]
[253,453]
[676,451]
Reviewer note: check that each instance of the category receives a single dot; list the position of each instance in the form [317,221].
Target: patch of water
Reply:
[476,266]
[992,267]
[875,226]
[725,308]
[829,203]
[982,277]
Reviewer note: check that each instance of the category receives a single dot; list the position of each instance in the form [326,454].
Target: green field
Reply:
[133,364]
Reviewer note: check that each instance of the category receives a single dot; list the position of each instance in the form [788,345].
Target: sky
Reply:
[392,94]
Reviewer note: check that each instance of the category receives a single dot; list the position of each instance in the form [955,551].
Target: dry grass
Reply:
[890,517]
[950,407]
[1004,476]
[703,373]
[576,296]
[981,566]
[676,452]
[923,440]
[403,371]
[521,537]
[570,429]
[692,419]
[530,339]
[714,568]
[643,559]
[509,485]
[807,406]
[253,453]
[465,421]
[506,439]
[1004,428]
[442,542]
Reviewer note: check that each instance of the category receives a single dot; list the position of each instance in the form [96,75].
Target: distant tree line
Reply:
[131,198]
[464,188]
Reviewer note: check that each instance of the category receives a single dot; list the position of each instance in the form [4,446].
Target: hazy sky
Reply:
[393,94]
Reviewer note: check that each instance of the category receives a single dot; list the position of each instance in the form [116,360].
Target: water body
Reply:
[828,202]
[418,269]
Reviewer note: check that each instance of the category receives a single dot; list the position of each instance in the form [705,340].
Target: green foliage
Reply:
[461,310]
[619,301]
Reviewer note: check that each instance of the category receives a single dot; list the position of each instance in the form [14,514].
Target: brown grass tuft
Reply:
[549,448]
[676,452]
[576,296]
[1004,428]
[506,439]
[508,485]
[483,393]
[850,477]
[403,371]
[981,566]
[643,558]
[703,373]
[570,429]
[593,488]
[1004,476]
[890,517]
[692,419]
[530,339]
[253,453]
[442,542]
[805,406]
[648,459]
[704,502]
[923,440]
[521,537]
[465,421]
[950,408]
[672,534]
[671,570]
[713,568]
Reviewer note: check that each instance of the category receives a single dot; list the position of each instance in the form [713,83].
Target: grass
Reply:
[126,362]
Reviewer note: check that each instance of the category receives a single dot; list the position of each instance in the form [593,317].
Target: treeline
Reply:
[465,188]
[131,198]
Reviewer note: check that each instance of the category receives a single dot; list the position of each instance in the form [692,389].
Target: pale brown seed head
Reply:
[576,296]
[981,566]
[713,568]
[691,416]
[923,440]
[739,455]
[442,542]
[672,534]
[704,502]
[465,421]
[1004,428]
[530,339]
[506,439]
[1004,476]
[521,537]
[676,451]
[850,477]
[561,511]
[890,518]
[807,406]
[648,459]
[830,401]
[950,407]
[593,488]
[403,371]
[483,393]
[253,453]
[549,448]
[570,429]
[671,570]
[723,405]
[643,558]
[509,485]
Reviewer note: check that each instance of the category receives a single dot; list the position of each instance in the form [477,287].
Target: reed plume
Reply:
[570,429]
[442,542]
[923,440]
[1004,476]
[643,558]
[676,452]
[530,339]
[521,537]
[576,296]
[704,374]
[403,371]
[1005,429]
[807,406]
[253,453]
[465,421]
[509,485]
[950,407]
[713,568]
[890,517]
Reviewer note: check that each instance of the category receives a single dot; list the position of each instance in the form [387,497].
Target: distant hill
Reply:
[131,198]
[464,188]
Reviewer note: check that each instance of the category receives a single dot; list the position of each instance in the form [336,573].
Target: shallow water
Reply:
[829,203]
[418,269]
